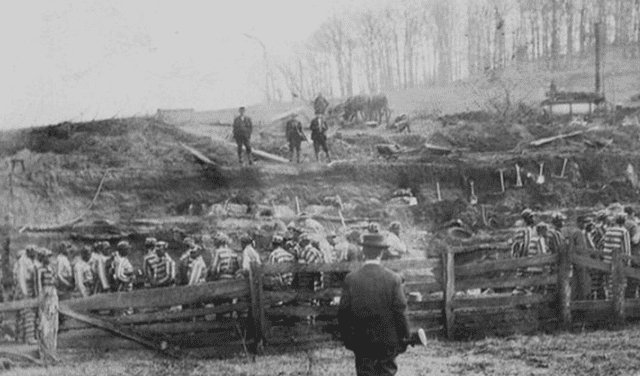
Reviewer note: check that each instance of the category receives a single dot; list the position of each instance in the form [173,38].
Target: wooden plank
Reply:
[199,156]
[95,339]
[590,263]
[588,305]
[424,288]
[631,272]
[546,140]
[183,327]
[102,324]
[396,265]
[166,315]
[17,305]
[564,288]
[449,293]
[426,305]
[503,265]
[493,283]
[161,297]
[498,246]
[303,311]
[257,306]
[271,297]
[502,301]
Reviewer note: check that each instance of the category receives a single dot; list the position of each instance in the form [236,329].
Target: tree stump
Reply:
[48,325]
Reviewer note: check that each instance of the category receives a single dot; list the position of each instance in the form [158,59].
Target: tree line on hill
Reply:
[411,43]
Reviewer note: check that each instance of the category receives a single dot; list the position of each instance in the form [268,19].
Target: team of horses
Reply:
[368,108]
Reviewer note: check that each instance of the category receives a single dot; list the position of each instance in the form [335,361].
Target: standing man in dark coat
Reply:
[295,136]
[319,135]
[242,128]
[372,316]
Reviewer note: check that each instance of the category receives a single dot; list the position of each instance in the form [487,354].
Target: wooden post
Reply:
[48,325]
[257,308]
[564,288]
[618,285]
[598,52]
[448,279]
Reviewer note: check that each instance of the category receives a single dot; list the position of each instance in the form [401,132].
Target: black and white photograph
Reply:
[336,187]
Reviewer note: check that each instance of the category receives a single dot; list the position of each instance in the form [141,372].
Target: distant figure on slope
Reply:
[295,136]
[242,128]
[320,104]
[319,136]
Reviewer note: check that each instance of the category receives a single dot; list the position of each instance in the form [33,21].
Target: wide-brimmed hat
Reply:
[374,241]
[527,213]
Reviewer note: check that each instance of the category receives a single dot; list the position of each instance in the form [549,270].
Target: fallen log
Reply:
[547,140]
[256,152]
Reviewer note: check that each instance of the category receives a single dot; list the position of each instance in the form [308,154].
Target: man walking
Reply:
[319,135]
[242,128]
[372,316]
[295,136]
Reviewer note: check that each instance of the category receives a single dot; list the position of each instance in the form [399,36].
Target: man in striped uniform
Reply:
[63,273]
[522,243]
[616,239]
[196,268]
[123,268]
[83,275]
[249,254]
[48,320]
[24,272]
[164,269]
[309,255]
[631,224]
[280,255]
[149,260]
[225,263]
[99,263]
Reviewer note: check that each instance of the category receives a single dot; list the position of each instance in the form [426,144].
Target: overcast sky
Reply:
[84,59]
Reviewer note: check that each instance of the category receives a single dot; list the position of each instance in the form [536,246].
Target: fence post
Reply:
[619,282]
[257,308]
[448,268]
[564,288]
[48,325]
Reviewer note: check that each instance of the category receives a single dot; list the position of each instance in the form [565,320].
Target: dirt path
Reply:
[592,353]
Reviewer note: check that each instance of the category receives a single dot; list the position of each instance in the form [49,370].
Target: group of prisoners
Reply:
[614,230]
[79,271]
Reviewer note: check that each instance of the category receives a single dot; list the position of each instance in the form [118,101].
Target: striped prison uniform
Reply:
[149,263]
[163,271]
[99,264]
[527,243]
[44,278]
[225,264]
[282,280]
[123,274]
[616,239]
[249,255]
[310,280]
[196,271]
[24,272]
[63,276]
[84,279]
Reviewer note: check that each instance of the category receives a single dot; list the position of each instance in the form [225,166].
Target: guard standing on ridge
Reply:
[295,136]
[242,128]
[319,129]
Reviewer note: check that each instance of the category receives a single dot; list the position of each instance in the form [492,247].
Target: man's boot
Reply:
[250,159]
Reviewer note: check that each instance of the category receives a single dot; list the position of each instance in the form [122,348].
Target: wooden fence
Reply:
[454,296]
